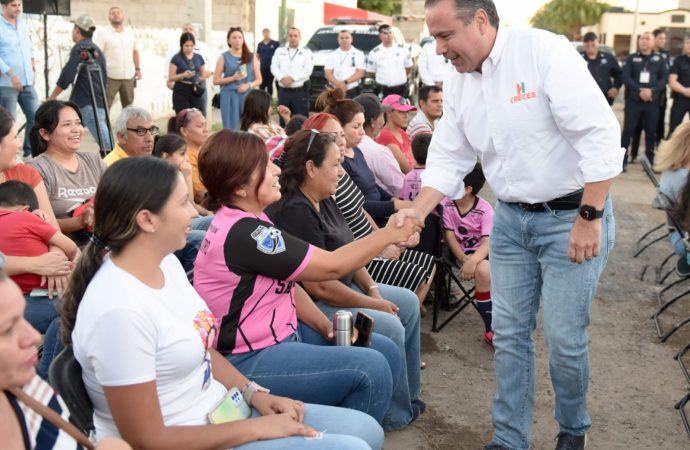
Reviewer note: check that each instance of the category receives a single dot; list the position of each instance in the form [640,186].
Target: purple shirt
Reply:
[470,227]
[412,184]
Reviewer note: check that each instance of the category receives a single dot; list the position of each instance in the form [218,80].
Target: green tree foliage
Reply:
[568,16]
[387,7]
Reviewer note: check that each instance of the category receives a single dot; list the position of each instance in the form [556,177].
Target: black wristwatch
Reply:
[590,213]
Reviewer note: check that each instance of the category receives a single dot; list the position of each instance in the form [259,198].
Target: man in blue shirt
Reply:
[265,50]
[17,67]
[90,55]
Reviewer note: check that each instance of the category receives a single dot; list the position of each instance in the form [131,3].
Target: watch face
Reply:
[588,212]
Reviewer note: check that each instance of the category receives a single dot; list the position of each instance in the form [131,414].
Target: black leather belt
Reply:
[567,202]
[287,89]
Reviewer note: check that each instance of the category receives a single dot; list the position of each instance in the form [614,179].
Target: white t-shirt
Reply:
[118,48]
[129,333]
[389,64]
[345,64]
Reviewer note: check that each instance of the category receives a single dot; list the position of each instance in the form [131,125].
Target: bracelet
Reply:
[136,68]
[371,288]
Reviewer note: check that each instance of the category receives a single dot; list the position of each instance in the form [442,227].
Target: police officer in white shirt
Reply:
[344,66]
[292,67]
[517,105]
[390,64]
[432,66]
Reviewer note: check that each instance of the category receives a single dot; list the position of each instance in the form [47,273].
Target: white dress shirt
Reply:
[433,68]
[534,117]
[345,64]
[118,48]
[297,63]
[389,64]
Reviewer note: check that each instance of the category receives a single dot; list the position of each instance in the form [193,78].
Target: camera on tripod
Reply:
[88,54]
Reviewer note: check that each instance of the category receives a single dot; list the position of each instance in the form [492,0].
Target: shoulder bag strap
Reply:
[52,417]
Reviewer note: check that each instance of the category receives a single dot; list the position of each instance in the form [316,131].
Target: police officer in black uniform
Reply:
[659,43]
[679,82]
[603,66]
[644,76]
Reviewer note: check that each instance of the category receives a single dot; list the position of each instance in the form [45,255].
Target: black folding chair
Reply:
[664,335]
[642,243]
[443,279]
[64,375]
[683,366]
[680,406]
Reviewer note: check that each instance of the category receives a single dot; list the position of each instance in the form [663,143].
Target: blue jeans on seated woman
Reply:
[404,331]
[307,367]
[343,429]
[40,312]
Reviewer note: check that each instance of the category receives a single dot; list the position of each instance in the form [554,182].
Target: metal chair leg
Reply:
[679,406]
[679,357]
[638,249]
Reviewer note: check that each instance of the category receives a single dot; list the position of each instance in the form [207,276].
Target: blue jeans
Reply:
[40,312]
[529,261]
[90,123]
[28,101]
[345,429]
[308,368]
[404,331]
[52,346]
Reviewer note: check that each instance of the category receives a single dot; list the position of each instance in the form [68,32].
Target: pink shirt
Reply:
[412,184]
[471,227]
[383,165]
[245,272]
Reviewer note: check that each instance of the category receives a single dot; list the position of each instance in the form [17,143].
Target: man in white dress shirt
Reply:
[292,67]
[344,66]
[525,105]
[433,67]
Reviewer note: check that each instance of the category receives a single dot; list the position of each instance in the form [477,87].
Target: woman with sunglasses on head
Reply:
[237,72]
[247,272]
[309,180]
[193,127]
[156,383]
[188,73]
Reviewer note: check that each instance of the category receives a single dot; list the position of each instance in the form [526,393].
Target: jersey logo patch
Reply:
[269,240]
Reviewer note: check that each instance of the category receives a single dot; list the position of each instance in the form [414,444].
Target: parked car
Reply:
[365,36]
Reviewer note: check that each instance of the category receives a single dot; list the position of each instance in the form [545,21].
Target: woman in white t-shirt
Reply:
[143,336]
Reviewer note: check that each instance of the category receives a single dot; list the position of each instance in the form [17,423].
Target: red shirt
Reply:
[24,173]
[386,137]
[24,234]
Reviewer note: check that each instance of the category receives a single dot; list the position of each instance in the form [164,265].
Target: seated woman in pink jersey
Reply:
[247,270]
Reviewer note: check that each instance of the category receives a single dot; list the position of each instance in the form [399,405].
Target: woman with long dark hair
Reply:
[237,71]
[144,338]
[188,71]
[256,115]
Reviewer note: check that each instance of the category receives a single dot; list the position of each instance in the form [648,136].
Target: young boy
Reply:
[25,234]
[412,183]
[467,223]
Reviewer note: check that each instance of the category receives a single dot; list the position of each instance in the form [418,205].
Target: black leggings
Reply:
[183,97]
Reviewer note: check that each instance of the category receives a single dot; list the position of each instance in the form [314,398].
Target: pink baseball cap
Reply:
[399,103]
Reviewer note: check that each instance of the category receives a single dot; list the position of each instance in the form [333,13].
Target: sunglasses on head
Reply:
[312,136]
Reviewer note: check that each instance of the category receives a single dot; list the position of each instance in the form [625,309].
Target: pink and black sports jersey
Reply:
[412,184]
[245,273]
[471,227]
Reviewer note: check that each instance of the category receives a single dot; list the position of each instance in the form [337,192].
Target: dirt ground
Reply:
[634,381]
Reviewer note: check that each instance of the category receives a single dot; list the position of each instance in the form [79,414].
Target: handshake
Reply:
[403,227]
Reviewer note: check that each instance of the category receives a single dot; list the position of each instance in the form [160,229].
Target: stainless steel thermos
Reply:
[342,327]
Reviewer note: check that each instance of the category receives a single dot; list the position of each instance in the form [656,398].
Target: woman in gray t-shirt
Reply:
[70,176]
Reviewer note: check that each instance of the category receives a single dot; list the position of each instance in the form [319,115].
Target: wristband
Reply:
[250,389]
[137,69]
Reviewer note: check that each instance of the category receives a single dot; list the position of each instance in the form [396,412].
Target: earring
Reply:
[153,230]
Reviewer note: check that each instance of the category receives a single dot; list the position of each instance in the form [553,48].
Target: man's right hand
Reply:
[408,213]
[17,84]
[646,95]
[287,81]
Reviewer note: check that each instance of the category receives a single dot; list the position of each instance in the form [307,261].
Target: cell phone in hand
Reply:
[364,324]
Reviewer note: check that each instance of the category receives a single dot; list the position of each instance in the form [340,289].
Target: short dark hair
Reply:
[16,193]
[186,37]
[168,144]
[658,31]
[467,8]
[424,92]
[47,117]
[294,124]
[475,179]
[384,27]
[420,147]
